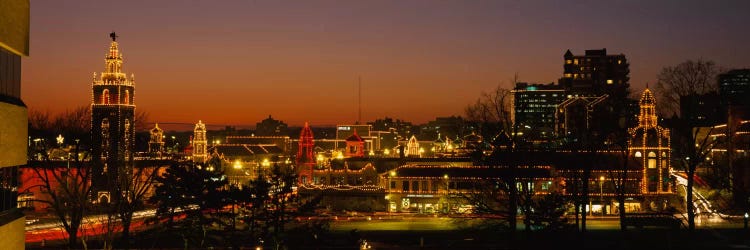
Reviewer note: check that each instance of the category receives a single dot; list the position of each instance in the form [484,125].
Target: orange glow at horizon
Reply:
[237,62]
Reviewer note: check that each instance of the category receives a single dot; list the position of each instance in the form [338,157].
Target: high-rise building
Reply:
[112,120]
[14,44]
[603,81]
[595,73]
[199,143]
[534,109]
[734,88]
[703,110]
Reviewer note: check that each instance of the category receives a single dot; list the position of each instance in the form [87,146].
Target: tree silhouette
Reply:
[676,82]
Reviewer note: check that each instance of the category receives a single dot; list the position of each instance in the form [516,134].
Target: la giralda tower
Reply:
[112,125]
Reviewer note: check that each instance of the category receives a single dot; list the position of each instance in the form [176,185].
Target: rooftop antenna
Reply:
[359,100]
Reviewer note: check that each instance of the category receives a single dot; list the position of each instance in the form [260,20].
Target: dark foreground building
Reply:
[14,44]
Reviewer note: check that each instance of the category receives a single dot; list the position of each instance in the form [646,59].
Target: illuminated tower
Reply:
[156,141]
[649,145]
[199,143]
[112,120]
[355,146]
[305,160]
[412,147]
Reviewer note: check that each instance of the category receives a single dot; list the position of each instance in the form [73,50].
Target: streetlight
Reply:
[391,174]
[601,193]
[745,220]
[447,192]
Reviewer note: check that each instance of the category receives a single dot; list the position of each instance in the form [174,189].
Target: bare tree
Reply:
[492,110]
[141,120]
[133,189]
[68,191]
[683,80]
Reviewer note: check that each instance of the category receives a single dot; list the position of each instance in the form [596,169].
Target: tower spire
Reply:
[359,100]
[305,160]
[113,35]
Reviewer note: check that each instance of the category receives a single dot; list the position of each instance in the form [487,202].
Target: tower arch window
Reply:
[651,160]
[105,96]
[126,99]
[638,154]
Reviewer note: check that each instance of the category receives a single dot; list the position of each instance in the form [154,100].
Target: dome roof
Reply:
[647,98]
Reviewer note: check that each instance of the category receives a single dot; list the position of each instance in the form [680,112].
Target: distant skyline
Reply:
[236,62]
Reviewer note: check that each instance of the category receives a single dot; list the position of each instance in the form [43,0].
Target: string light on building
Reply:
[200,144]
[112,122]
[650,145]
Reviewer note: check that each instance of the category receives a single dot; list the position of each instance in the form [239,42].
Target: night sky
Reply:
[236,62]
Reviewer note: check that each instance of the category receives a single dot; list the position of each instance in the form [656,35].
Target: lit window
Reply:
[105,96]
[609,81]
[638,154]
[568,61]
[575,61]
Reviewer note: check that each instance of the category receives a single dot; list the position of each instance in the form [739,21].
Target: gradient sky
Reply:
[236,62]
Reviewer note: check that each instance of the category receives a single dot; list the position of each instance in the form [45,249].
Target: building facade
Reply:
[703,110]
[305,159]
[534,108]
[156,141]
[112,123]
[734,87]
[649,145]
[14,44]
[200,144]
[355,146]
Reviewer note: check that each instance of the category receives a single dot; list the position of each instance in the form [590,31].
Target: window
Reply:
[546,185]
[105,96]
[638,154]
[405,186]
[609,81]
[393,184]
[127,97]
[415,186]
[651,160]
[8,188]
